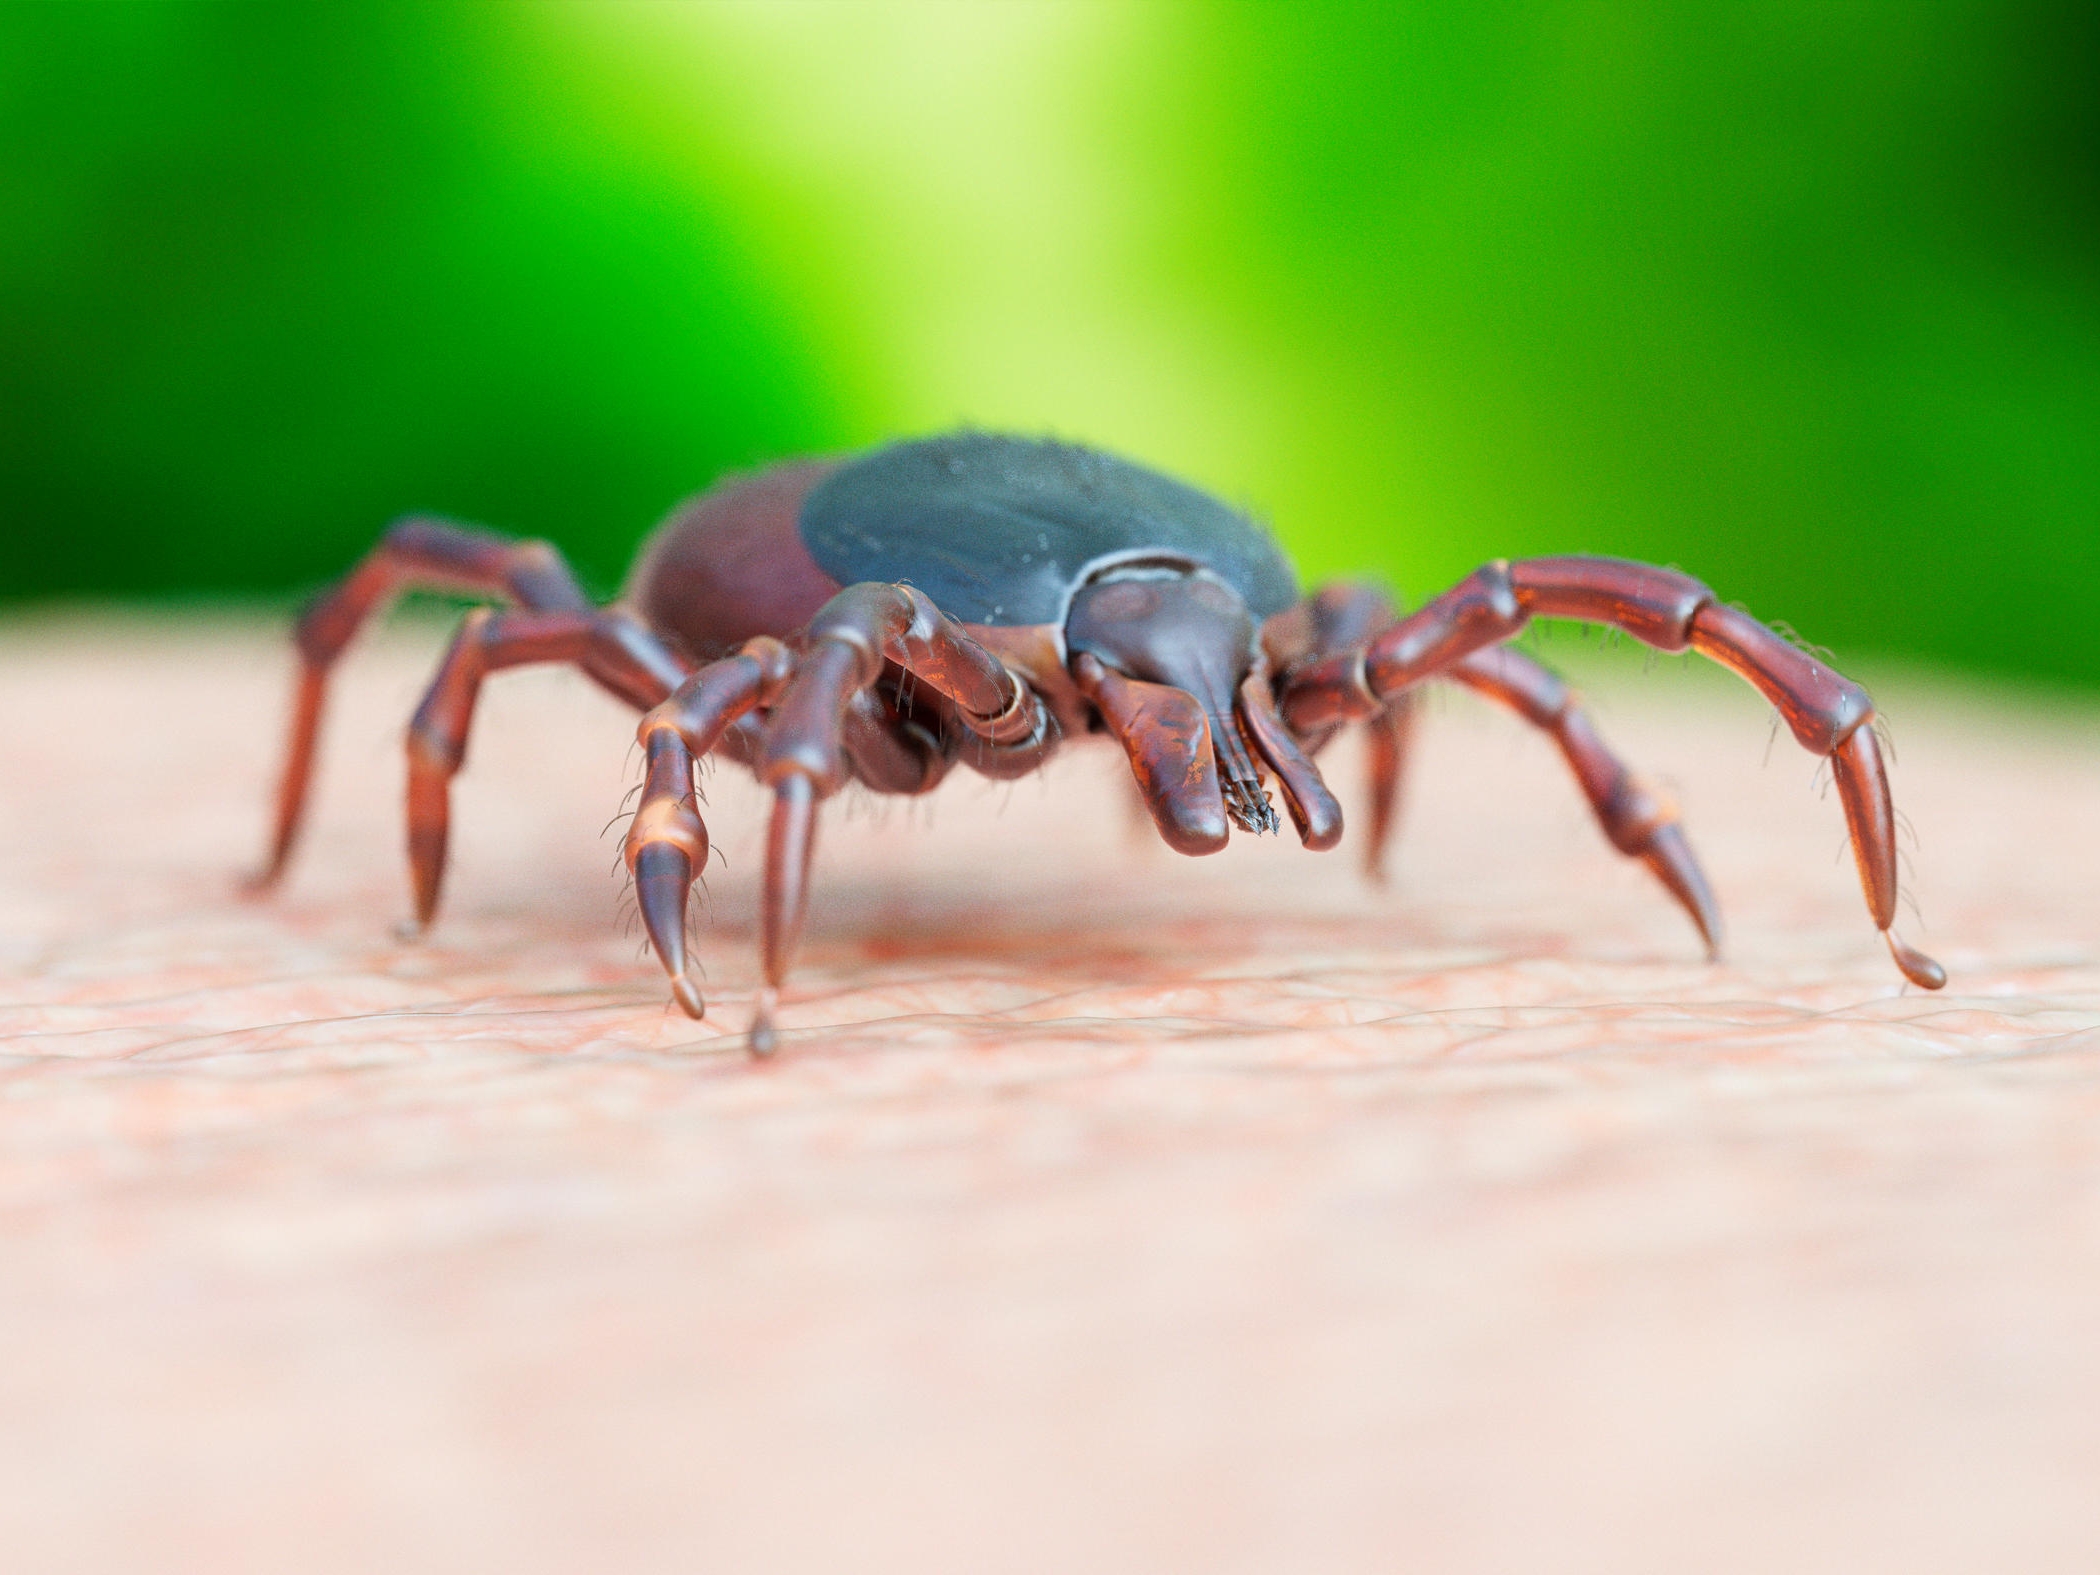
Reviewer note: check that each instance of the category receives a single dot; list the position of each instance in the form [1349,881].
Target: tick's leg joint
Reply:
[846,648]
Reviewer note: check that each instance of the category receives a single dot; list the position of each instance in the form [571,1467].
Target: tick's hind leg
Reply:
[413,554]
[1639,823]
[615,652]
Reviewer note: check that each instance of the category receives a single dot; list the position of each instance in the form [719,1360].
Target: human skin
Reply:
[1104,1209]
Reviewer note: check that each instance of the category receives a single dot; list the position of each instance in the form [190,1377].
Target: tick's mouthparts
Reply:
[1247,803]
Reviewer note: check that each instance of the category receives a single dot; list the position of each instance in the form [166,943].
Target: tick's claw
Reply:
[662,877]
[688,995]
[1919,969]
[257,884]
[764,1040]
[1669,856]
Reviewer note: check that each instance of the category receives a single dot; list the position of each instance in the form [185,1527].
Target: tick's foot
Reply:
[764,1041]
[687,994]
[1919,969]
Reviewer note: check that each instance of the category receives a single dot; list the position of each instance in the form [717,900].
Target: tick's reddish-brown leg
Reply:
[802,759]
[1387,737]
[853,639]
[1639,823]
[1827,713]
[667,841]
[1345,616]
[611,648]
[415,553]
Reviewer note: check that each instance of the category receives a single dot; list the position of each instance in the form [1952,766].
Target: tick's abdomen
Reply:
[730,564]
[998,531]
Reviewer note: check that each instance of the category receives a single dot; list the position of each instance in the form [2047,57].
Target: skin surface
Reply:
[1121,1212]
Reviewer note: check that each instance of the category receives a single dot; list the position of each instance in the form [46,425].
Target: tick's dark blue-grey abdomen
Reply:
[1002,530]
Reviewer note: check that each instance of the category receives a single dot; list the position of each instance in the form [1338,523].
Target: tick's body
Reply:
[975,599]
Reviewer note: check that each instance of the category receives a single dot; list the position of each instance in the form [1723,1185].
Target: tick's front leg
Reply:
[801,754]
[667,841]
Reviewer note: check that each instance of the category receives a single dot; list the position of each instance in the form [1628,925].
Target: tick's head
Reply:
[1185,629]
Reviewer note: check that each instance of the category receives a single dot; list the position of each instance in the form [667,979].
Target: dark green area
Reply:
[273,275]
[1803,297]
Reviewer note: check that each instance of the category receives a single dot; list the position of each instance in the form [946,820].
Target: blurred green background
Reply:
[1803,297]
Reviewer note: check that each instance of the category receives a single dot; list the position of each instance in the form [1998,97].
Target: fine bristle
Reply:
[1248,805]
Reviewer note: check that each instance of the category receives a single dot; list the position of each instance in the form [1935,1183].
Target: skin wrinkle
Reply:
[1281,1221]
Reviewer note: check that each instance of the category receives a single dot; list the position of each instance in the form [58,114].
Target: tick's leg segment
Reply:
[666,848]
[1863,785]
[846,648]
[1638,822]
[666,841]
[790,841]
[1672,612]
[415,553]
[1386,740]
[617,653]
[1344,617]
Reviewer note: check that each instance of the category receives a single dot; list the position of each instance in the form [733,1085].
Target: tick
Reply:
[977,600]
